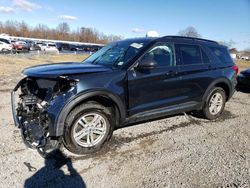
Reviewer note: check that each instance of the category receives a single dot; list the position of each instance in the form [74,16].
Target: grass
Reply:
[12,65]
[243,64]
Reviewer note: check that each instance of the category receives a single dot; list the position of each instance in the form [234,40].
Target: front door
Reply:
[157,87]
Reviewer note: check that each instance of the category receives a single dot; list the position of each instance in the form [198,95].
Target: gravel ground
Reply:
[180,151]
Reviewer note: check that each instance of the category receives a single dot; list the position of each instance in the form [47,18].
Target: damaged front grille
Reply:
[30,113]
[31,110]
[30,100]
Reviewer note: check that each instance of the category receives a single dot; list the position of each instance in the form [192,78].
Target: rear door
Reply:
[158,87]
[194,67]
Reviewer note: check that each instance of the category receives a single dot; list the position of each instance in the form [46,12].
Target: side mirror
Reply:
[146,64]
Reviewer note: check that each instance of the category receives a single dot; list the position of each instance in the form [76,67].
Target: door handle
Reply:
[171,73]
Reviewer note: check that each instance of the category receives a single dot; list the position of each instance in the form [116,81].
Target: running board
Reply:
[161,112]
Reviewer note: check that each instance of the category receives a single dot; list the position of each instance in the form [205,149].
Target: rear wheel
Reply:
[214,104]
[88,127]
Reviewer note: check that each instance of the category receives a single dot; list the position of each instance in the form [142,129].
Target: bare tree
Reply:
[189,32]
[24,29]
[229,44]
[61,32]
[40,31]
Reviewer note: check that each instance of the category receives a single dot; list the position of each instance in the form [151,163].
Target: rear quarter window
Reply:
[222,54]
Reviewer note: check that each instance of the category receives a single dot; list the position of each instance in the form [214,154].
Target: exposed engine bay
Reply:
[32,118]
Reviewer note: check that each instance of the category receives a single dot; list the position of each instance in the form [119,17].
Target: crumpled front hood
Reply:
[59,69]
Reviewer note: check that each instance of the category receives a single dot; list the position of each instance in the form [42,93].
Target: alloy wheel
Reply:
[215,103]
[89,129]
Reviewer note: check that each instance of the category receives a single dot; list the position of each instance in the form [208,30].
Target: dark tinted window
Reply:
[162,54]
[222,54]
[190,54]
[205,58]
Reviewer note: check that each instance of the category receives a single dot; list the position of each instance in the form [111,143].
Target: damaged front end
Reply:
[32,112]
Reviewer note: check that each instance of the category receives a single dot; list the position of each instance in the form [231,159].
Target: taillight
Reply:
[236,69]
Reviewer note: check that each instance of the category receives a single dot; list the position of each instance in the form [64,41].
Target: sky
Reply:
[220,20]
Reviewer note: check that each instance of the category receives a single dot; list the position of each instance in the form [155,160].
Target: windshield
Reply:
[117,53]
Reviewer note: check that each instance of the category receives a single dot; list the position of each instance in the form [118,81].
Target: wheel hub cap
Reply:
[89,129]
[215,103]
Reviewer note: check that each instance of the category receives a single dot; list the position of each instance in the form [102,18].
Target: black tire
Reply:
[205,112]
[86,108]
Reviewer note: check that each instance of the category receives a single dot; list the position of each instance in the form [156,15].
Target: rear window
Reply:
[52,45]
[222,54]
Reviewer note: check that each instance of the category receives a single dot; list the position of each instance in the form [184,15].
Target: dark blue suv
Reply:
[78,105]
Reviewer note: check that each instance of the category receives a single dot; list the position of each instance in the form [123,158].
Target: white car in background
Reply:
[49,47]
[5,47]
[245,58]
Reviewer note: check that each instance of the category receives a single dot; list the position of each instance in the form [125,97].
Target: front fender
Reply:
[60,120]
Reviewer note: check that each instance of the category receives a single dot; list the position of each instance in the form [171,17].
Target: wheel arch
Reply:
[101,96]
[224,84]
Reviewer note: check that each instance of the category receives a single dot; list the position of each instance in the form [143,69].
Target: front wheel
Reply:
[214,104]
[88,127]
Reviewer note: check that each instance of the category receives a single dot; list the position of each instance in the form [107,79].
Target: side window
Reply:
[222,54]
[190,54]
[162,54]
[205,58]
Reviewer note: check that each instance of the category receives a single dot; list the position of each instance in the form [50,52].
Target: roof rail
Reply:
[190,38]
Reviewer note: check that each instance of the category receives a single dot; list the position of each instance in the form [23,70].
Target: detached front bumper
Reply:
[53,109]
[36,127]
[13,103]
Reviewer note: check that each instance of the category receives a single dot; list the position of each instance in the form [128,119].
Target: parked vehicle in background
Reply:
[35,47]
[5,44]
[63,46]
[39,44]
[246,58]
[5,47]
[79,105]
[76,48]
[20,46]
[49,47]
[244,80]
[5,40]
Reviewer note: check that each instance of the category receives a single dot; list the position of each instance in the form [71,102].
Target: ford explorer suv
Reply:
[77,106]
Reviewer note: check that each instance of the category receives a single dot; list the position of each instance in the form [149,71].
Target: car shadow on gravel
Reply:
[51,174]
